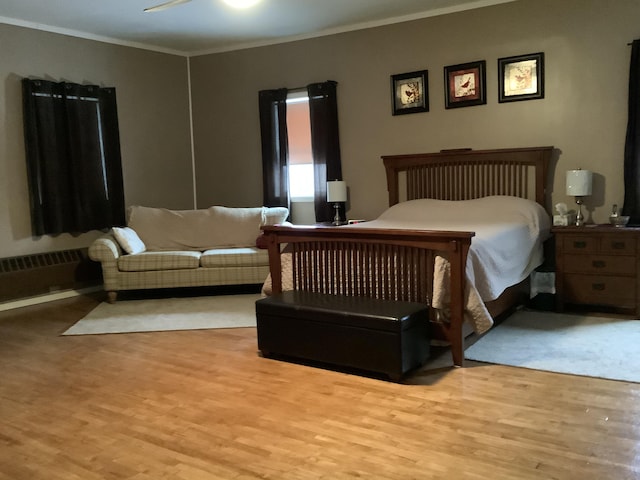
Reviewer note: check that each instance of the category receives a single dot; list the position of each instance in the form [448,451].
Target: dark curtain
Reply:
[275,147]
[632,143]
[73,157]
[325,144]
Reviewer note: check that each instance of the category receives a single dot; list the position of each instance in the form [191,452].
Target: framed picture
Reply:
[464,84]
[410,92]
[521,77]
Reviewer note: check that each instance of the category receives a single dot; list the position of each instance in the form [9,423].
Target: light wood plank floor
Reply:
[200,405]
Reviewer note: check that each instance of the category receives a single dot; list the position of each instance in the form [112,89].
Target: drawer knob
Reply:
[599,264]
[579,244]
[598,286]
[617,245]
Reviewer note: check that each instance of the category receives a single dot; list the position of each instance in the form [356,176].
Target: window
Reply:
[325,146]
[301,184]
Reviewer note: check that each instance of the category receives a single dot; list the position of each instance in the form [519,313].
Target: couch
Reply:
[162,248]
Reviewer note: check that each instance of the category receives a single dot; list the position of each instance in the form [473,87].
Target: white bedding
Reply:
[507,246]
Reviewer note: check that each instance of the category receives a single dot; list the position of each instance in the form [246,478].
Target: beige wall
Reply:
[153,108]
[583,113]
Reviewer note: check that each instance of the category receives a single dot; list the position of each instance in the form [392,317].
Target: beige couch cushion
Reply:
[146,261]
[275,215]
[202,229]
[234,257]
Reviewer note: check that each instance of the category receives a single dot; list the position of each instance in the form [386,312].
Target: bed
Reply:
[440,263]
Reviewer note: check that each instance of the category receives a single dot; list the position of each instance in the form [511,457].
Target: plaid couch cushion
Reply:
[234,257]
[147,261]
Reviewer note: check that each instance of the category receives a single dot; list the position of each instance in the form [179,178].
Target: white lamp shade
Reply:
[336,191]
[579,183]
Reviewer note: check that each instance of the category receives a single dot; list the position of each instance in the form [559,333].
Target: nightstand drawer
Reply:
[600,290]
[600,264]
[618,244]
[579,244]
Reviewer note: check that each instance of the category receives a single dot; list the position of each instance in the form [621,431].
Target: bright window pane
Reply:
[301,180]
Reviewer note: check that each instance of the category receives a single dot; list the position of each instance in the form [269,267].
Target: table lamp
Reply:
[336,193]
[579,185]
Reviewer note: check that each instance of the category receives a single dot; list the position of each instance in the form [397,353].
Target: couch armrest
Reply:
[105,249]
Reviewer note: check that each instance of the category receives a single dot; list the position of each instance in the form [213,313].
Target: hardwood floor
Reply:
[200,405]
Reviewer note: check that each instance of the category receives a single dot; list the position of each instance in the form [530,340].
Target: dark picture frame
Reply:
[465,84]
[410,92]
[521,77]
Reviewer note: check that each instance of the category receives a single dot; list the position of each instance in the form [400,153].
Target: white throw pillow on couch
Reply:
[129,240]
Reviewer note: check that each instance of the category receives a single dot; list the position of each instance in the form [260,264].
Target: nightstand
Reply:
[598,266]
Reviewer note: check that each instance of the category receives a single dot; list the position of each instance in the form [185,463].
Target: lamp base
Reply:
[579,217]
[336,217]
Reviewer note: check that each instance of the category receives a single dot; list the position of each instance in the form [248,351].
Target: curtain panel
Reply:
[73,157]
[632,142]
[325,144]
[275,147]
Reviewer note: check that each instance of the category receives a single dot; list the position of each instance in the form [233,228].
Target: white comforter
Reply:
[507,246]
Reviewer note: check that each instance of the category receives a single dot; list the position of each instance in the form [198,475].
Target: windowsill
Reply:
[301,199]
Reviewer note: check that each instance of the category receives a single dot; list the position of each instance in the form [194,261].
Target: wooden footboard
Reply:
[386,264]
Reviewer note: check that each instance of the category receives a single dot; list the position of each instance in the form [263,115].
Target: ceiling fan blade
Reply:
[162,6]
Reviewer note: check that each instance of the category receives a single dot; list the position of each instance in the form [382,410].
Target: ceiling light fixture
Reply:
[241,3]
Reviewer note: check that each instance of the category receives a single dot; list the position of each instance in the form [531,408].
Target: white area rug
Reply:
[153,315]
[590,346]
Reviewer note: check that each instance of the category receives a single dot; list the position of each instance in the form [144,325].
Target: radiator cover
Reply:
[43,273]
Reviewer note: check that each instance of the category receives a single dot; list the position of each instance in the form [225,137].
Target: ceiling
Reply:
[209,26]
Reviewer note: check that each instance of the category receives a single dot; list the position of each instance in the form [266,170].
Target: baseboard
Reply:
[50,297]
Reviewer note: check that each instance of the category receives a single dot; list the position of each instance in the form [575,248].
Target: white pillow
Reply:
[274,215]
[129,240]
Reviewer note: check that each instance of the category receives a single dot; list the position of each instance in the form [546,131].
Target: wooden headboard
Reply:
[467,174]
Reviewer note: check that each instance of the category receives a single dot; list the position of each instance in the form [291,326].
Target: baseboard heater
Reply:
[43,273]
